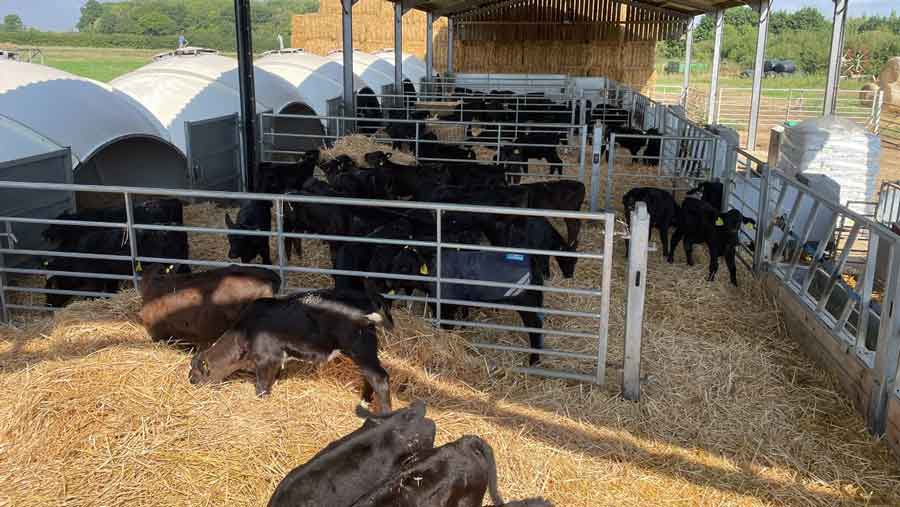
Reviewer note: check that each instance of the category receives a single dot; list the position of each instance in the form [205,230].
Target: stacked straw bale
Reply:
[607,53]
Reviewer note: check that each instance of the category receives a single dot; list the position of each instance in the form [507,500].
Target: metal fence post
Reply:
[279,224]
[763,220]
[634,301]
[596,151]
[437,265]
[582,153]
[609,225]
[887,351]
[4,311]
[611,159]
[132,240]
[877,105]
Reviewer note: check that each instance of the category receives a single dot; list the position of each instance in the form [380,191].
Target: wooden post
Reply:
[634,302]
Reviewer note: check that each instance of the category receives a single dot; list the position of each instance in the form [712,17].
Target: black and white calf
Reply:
[308,326]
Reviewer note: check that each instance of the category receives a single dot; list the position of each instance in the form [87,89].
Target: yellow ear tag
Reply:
[391,292]
[138,267]
[423,270]
[170,268]
[46,263]
[720,222]
[750,226]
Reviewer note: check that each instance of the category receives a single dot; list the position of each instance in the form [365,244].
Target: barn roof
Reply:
[683,7]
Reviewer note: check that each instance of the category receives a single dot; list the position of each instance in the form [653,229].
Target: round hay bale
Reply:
[867,94]
[890,84]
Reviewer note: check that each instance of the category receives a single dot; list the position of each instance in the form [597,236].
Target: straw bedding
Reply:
[93,413]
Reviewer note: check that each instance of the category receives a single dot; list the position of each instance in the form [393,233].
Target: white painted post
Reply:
[762,32]
[716,60]
[634,301]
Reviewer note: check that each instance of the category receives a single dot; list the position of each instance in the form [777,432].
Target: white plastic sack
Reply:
[838,148]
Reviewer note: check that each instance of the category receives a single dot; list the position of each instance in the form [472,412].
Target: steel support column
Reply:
[243,31]
[688,50]
[762,33]
[449,45]
[429,47]
[347,33]
[398,48]
[834,58]
[716,60]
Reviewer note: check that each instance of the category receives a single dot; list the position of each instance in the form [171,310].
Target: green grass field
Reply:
[730,79]
[104,65]
[100,64]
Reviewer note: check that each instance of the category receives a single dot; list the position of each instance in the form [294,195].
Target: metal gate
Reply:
[52,167]
[214,153]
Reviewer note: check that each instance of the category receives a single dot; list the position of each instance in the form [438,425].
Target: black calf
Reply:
[253,216]
[700,222]
[662,209]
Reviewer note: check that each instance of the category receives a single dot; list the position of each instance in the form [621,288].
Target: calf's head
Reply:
[241,246]
[411,430]
[224,357]
[567,264]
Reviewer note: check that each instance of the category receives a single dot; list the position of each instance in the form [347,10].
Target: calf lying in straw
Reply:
[310,326]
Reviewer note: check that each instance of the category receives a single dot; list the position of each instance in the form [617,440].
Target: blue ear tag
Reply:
[515,257]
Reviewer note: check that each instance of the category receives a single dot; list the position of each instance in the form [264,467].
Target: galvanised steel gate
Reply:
[575,337]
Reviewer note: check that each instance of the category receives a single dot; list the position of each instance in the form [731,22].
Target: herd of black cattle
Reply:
[234,320]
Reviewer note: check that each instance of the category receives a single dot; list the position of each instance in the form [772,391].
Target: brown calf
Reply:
[197,308]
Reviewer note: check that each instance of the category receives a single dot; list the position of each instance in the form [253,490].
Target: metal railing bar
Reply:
[558,374]
[36,290]
[53,221]
[835,275]
[528,251]
[529,350]
[68,255]
[74,274]
[521,329]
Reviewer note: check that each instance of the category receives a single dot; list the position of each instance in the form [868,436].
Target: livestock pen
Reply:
[732,410]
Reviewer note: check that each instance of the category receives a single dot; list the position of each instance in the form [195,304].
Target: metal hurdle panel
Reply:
[854,301]
[501,135]
[581,347]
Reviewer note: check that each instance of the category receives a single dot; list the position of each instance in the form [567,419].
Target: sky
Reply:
[61,15]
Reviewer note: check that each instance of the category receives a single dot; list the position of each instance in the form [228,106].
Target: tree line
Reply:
[803,36]
[207,23]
